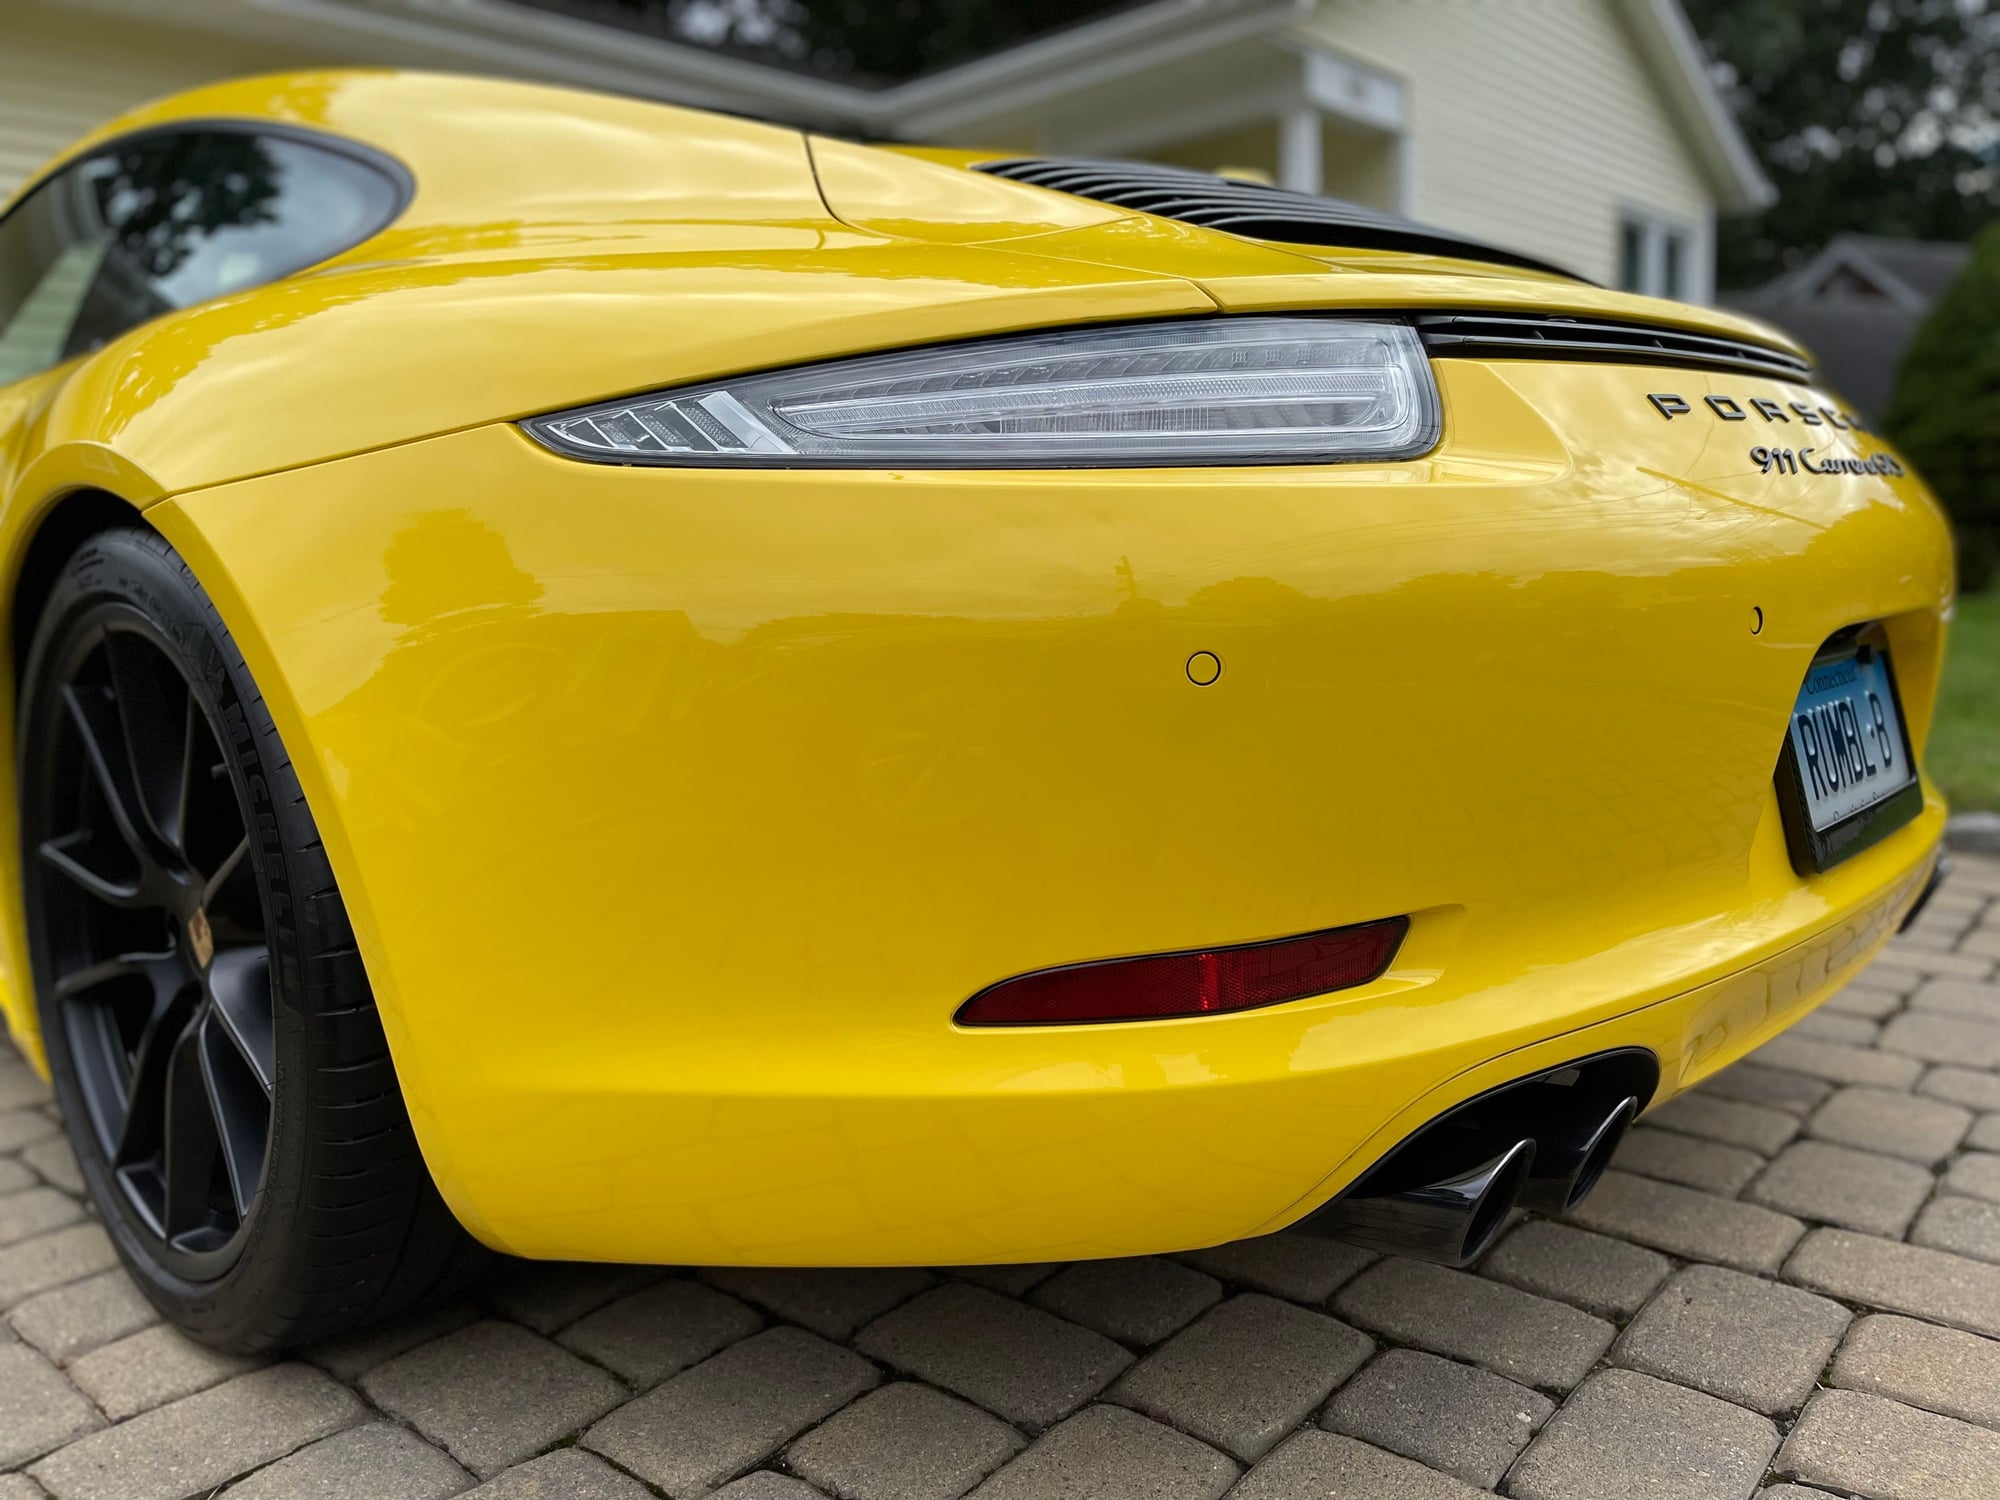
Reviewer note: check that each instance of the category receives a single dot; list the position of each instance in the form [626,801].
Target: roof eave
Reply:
[517,40]
[1666,36]
[558,48]
[1124,42]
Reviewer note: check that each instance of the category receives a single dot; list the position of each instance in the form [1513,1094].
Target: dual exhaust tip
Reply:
[1443,1194]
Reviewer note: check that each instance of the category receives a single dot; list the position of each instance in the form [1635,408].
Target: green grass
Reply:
[1964,752]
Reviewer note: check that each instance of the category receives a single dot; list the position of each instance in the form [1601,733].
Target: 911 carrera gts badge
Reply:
[1785,461]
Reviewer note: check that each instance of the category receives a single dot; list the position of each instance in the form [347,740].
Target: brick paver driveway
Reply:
[1793,1279]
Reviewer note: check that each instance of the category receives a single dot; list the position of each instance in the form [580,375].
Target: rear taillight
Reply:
[1208,982]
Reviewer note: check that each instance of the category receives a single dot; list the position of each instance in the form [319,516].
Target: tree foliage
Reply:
[1946,413]
[901,38]
[872,38]
[1873,115]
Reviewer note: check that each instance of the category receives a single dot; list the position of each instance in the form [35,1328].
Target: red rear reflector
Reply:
[1191,984]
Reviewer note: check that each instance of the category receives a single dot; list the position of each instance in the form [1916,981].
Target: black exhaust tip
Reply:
[1452,1222]
[1602,1149]
[1575,1153]
[1540,1142]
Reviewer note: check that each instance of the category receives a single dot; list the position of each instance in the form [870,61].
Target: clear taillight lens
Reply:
[1249,390]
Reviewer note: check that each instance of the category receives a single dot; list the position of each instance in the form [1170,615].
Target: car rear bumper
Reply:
[1136,1140]
[677,813]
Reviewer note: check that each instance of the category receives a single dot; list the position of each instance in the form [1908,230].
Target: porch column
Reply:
[1299,165]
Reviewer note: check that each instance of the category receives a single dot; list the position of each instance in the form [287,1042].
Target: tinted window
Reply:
[167,220]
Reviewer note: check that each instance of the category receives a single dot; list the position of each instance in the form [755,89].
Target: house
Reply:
[1582,132]
[1856,305]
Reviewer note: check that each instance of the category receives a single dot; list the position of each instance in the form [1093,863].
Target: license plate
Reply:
[1847,777]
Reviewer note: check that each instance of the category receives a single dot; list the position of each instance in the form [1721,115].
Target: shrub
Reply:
[1945,416]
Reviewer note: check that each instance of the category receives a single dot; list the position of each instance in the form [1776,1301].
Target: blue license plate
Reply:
[1848,762]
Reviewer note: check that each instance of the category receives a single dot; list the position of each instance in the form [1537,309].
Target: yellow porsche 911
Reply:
[617,683]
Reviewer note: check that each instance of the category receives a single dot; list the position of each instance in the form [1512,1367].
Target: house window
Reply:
[1654,255]
[1631,256]
[1673,277]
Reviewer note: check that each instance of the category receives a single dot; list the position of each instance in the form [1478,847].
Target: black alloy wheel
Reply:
[159,965]
[214,1042]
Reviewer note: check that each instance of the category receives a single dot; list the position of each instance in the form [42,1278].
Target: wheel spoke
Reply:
[193,1142]
[191,729]
[63,855]
[97,1042]
[240,1109]
[239,984]
[142,1131]
[118,966]
[211,824]
[95,716]
[153,711]
[223,871]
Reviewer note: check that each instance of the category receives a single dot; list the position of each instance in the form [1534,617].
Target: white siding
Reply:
[1532,124]
[62,74]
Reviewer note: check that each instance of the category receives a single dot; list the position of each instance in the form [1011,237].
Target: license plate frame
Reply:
[1815,850]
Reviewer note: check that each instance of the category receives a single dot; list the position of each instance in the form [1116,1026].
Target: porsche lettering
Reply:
[1739,409]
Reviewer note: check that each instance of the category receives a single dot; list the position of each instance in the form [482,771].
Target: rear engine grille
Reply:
[1541,336]
[1250,208]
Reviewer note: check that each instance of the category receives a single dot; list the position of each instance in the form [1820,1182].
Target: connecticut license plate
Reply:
[1851,775]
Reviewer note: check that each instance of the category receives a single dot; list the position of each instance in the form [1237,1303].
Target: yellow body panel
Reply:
[677,811]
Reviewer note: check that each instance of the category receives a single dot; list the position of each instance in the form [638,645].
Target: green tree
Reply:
[1946,412]
[1874,115]
[901,38]
[887,39]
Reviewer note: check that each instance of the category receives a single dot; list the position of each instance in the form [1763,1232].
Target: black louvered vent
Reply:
[1542,336]
[1250,208]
